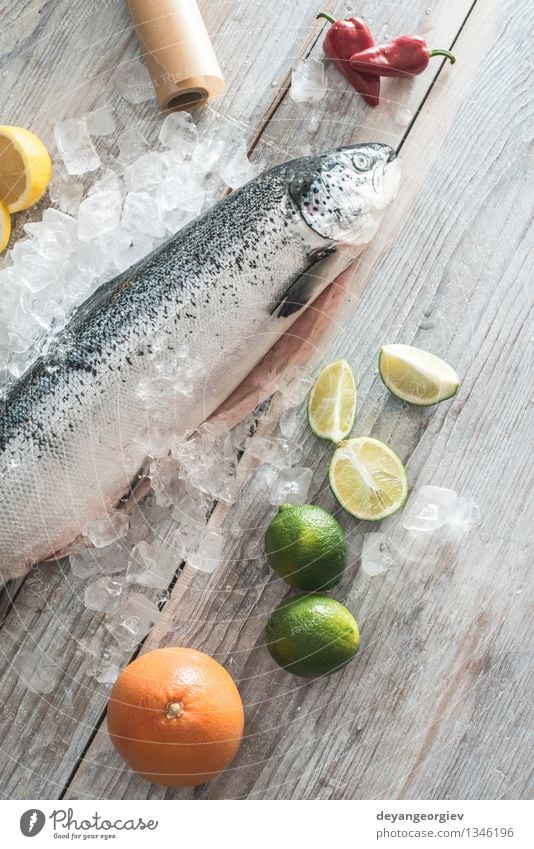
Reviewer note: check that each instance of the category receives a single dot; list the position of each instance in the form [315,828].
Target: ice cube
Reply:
[98,214]
[103,595]
[65,192]
[75,146]
[108,182]
[295,388]
[214,189]
[92,642]
[173,220]
[140,245]
[172,162]
[429,508]
[243,431]
[165,480]
[178,131]
[38,669]
[467,512]
[112,241]
[288,423]
[133,620]
[237,169]
[208,461]
[106,666]
[49,316]
[100,122]
[18,253]
[207,154]
[55,236]
[133,82]
[36,272]
[277,451]
[308,81]
[141,213]
[191,506]
[86,562]
[91,259]
[208,554]
[188,539]
[144,173]
[291,486]
[182,191]
[146,520]
[377,556]
[132,144]
[152,564]
[107,528]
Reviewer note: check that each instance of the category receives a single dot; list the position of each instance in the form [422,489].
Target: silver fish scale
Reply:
[74,430]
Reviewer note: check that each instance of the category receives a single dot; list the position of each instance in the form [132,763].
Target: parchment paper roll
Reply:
[177,51]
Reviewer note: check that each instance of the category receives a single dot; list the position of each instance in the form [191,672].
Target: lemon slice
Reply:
[368,479]
[332,402]
[416,376]
[25,168]
[5,226]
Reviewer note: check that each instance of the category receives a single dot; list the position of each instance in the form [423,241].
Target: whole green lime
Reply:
[306,547]
[312,635]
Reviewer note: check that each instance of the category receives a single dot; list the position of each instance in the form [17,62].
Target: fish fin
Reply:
[306,286]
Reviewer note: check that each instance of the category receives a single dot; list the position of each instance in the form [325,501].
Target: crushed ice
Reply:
[139,195]
[377,556]
[308,81]
[114,198]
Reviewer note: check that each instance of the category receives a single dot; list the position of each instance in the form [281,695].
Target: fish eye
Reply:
[361,161]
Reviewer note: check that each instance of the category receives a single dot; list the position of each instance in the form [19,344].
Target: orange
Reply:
[176,717]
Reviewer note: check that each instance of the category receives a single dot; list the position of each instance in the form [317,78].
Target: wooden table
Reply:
[436,704]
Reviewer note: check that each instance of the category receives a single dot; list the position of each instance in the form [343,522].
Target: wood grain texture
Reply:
[435,705]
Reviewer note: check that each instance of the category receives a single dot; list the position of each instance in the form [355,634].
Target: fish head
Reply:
[342,194]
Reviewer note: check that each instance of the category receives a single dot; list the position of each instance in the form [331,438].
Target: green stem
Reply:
[326,16]
[447,53]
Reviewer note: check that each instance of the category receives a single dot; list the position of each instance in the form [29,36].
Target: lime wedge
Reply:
[332,402]
[416,376]
[368,479]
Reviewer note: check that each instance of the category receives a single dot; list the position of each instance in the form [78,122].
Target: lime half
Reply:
[416,376]
[368,479]
[332,402]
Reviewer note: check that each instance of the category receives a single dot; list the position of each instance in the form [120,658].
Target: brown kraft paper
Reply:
[177,51]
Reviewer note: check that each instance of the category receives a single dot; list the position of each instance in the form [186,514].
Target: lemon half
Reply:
[25,168]
[5,226]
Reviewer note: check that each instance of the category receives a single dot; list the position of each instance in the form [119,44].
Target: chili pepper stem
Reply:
[326,16]
[446,53]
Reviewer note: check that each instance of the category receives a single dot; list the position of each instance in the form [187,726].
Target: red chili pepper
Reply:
[343,40]
[406,55]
